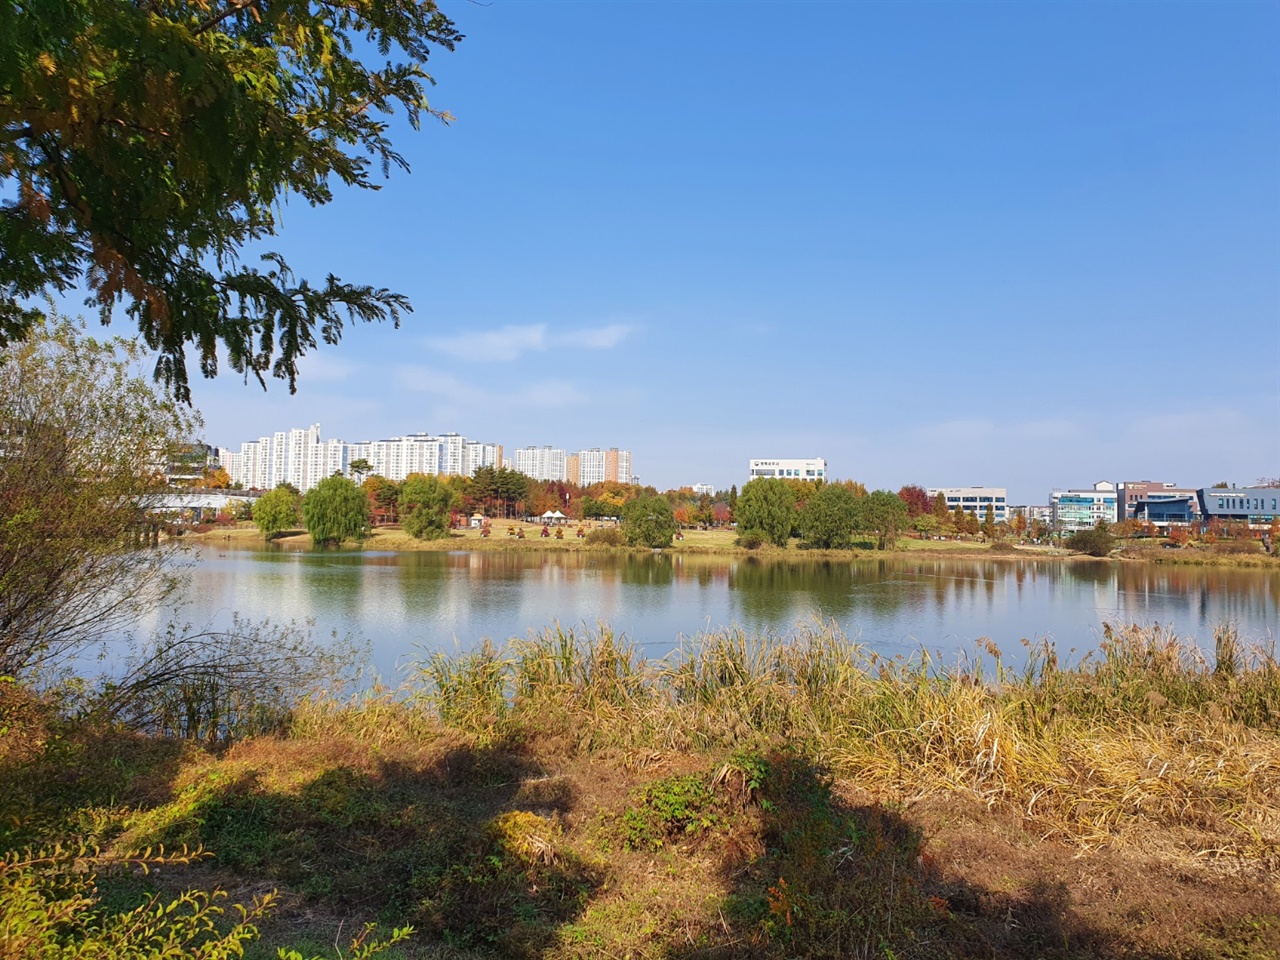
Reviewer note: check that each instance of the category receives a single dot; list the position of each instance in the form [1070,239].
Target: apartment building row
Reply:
[301,457]
[583,468]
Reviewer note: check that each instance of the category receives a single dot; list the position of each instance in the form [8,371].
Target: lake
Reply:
[409,604]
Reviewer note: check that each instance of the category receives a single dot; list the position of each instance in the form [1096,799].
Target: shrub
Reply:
[751,539]
[1096,542]
[605,537]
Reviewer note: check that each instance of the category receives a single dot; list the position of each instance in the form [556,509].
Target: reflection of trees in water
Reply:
[647,570]
[774,591]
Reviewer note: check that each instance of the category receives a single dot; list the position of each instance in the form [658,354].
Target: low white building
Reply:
[976,500]
[812,469]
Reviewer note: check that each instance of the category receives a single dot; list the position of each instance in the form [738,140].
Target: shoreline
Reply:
[719,543]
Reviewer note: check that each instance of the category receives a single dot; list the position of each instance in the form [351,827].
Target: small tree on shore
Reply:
[276,511]
[81,432]
[989,522]
[648,522]
[828,518]
[767,507]
[425,504]
[884,514]
[336,510]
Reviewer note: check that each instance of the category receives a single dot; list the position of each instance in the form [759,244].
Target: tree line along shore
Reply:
[726,542]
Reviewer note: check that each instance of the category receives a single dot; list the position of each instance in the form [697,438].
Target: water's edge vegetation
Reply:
[560,796]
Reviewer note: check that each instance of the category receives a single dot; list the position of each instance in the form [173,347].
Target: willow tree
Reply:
[84,438]
[335,510]
[146,146]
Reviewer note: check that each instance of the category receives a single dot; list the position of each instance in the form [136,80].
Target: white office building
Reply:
[813,469]
[976,500]
[1074,510]
[703,489]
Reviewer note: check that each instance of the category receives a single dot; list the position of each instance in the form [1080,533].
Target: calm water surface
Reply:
[406,604]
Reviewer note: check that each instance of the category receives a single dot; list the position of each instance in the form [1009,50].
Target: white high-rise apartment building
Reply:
[295,456]
[540,463]
[482,455]
[591,467]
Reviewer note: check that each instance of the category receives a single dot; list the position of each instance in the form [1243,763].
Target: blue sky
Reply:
[1027,245]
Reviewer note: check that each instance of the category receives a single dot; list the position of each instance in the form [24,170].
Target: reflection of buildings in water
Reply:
[1196,599]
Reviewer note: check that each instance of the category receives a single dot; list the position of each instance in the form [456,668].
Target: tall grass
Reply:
[1149,727]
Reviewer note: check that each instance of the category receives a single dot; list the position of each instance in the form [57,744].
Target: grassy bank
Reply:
[722,543]
[695,542]
[561,797]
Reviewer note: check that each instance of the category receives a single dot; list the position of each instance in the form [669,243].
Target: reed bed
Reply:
[1148,730]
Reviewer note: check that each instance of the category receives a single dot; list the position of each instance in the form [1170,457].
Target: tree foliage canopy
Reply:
[83,435]
[425,503]
[828,518]
[648,522]
[498,489]
[767,507]
[335,510]
[884,514]
[276,511]
[145,148]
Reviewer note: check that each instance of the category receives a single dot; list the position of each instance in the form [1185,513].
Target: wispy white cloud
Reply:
[504,344]
[596,338]
[516,394]
[513,341]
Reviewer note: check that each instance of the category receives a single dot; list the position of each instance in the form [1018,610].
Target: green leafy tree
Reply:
[940,511]
[144,147]
[883,514]
[82,430]
[276,511]
[828,518]
[767,507]
[425,504]
[989,522]
[648,521]
[926,524]
[359,469]
[335,510]
[498,490]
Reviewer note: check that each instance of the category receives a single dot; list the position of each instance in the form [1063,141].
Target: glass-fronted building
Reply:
[1255,505]
[1074,510]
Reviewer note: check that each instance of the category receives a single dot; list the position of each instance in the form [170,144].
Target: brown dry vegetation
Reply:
[757,797]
